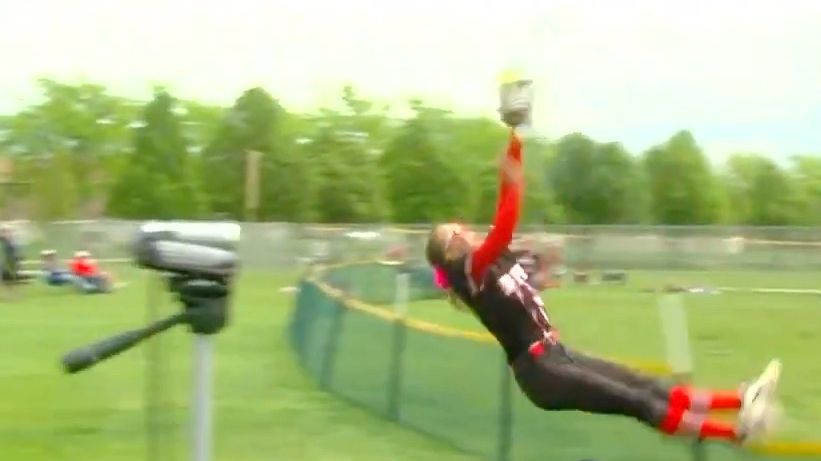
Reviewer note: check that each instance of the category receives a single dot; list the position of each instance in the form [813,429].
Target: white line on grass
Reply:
[788,291]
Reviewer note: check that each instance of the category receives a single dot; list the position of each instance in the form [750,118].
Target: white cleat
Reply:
[760,410]
[758,422]
[764,388]
[752,423]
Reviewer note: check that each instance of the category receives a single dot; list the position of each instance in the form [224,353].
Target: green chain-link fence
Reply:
[449,386]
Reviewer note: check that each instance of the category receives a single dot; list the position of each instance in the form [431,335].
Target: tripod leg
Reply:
[201,450]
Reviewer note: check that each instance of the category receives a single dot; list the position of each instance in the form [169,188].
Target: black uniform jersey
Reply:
[510,309]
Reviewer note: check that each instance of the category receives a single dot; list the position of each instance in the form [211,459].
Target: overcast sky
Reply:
[743,75]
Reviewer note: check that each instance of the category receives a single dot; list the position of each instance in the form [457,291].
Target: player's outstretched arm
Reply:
[514,110]
[513,152]
[507,217]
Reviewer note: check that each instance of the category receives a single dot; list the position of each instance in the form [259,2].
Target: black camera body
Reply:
[201,260]
[192,249]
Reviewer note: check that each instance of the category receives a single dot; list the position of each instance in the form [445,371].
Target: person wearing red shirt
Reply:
[88,274]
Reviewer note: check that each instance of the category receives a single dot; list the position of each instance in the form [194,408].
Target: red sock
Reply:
[681,422]
[725,400]
[712,429]
[700,400]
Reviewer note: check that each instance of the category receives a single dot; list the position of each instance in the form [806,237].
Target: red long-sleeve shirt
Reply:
[504,224]
[514,152]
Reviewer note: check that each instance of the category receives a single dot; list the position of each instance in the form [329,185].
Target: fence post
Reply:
[153,376]
[329,358]
[505,413]
[400,306]
[673,318]
[252,161]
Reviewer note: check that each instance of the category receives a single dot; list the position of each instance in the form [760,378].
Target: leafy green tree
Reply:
[424,181]
[348,185]
[200,123]
[354,162]
[596,183]
[539,205]
[157,181]
[682,187]
[366,118]
[806,174]
[248,126]
[288,189]
[759,192]
[738,179]
[82,121]
[472,142]
[570,179]
[486,187]
[773,197]
[54,192]
[90,125]
[472,146]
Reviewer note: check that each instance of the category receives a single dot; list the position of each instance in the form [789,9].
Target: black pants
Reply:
[561,379]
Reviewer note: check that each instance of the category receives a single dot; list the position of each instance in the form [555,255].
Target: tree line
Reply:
[84,152]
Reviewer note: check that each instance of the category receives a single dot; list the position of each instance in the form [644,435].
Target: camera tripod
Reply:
[204,310]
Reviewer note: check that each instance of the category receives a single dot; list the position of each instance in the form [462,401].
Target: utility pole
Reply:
[252,165]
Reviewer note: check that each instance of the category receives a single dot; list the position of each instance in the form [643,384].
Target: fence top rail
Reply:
[389,315]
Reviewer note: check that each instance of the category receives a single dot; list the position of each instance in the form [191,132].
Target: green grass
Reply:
[732,334]
[266,408]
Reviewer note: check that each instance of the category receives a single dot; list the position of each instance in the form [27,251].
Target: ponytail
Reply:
[440,278]
[456,301]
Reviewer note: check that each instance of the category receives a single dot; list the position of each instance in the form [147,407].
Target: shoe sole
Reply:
[760,406]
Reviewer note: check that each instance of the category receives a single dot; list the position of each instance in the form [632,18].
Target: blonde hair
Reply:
[437,257]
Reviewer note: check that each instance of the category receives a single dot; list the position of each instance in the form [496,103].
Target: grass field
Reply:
[266,408]
[732,334]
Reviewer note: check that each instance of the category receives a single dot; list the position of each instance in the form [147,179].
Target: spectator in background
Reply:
[53,273]
[88,275]
[396,254]
[12,259]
